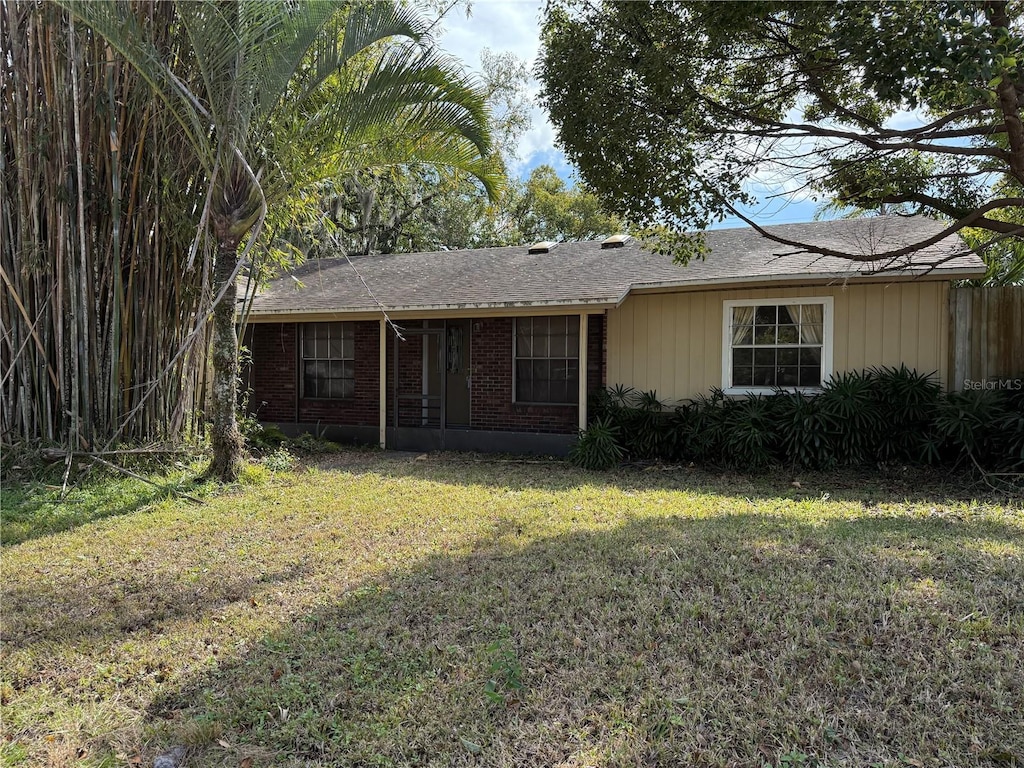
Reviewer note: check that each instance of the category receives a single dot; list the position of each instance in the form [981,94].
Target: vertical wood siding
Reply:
[986,332]
[672,342]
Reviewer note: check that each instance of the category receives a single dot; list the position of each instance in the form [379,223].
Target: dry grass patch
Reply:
[376,610]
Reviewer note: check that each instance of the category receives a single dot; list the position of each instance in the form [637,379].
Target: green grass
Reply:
[373,609]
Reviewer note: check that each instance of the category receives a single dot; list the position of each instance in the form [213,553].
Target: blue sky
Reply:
[514,26]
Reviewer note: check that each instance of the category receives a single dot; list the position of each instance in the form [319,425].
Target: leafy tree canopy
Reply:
[546,208]
[412,208]
[417,207]
[673,111]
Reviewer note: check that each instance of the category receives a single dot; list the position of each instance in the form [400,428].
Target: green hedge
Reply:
[867,417]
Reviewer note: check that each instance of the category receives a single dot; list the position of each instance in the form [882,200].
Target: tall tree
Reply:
[408,209]
[277,92]
[546,208]
[671,110]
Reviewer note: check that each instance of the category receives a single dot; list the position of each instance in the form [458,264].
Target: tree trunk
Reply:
[225,438]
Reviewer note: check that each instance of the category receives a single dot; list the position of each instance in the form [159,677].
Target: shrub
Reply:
[850,408]
[749,432]
[984,425]
[1011,432]
[907,401]
[313,444]
[598,446]
[639,417]
[698,427]
[860,417]
[812,434]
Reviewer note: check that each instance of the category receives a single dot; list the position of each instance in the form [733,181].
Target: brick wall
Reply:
[410,376]
[275,378]
[272,375]
[597,354]
[491,405]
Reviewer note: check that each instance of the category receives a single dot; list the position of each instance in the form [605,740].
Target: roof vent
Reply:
[544,246]
[615,241]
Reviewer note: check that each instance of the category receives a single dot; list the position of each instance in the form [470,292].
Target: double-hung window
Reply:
[328,360]
[784,344]
[547,359]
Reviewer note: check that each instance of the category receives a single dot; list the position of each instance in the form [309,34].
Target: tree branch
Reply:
[970,220]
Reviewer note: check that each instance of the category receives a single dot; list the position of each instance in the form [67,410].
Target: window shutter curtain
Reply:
[742,318]
[810,322]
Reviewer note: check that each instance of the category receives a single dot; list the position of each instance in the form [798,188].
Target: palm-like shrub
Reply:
[850,409]
[811,433]
[598,446]
[907,401]
[640,419]
[865,417]
[984,426]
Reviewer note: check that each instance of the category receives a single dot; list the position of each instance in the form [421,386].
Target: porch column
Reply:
[583,371]
[383,394]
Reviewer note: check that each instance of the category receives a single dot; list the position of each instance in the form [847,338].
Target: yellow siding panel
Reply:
[941,320]
[657,338]
[840,319]
[680,320]
[888,344]
[871,334]
[641,349]
[672,342]
[700,368]
[857,318]
[910,337]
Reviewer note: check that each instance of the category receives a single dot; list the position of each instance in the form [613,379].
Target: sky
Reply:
[514,26]
[511,26]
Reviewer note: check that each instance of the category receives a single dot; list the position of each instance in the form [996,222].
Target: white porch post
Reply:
[383,395]
[583,371]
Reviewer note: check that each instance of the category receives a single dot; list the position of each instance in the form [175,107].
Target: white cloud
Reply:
[511,26]
[501,25]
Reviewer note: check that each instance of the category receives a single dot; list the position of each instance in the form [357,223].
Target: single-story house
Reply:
[498,349]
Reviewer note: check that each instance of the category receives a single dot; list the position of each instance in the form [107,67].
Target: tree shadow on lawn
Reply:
[867,486]
[107,603]
[734,640]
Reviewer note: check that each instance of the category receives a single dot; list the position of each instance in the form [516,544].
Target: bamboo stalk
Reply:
[87,259]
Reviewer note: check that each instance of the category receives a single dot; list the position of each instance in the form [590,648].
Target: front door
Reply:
[457,373]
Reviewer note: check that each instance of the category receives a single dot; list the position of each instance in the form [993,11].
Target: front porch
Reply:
[494,384]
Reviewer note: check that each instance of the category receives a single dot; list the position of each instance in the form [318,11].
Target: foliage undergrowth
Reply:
[879,415]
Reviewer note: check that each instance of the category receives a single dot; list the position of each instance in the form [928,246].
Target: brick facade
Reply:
[597,354]
[491,405]
[275,379]
[272,376]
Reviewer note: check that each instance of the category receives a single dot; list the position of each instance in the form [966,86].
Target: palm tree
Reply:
[270,95]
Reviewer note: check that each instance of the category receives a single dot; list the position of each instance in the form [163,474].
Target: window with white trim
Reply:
[783,344]
[546,351]
[328,360]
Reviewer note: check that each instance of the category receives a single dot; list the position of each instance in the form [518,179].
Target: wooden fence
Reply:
[986,330]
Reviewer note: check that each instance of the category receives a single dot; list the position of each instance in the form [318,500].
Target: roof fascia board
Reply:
[805,279]
[319,315]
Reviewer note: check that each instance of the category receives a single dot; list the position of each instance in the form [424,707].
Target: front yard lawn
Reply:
[374,609]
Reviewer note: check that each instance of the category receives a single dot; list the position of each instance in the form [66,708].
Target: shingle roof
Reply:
[584,273]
